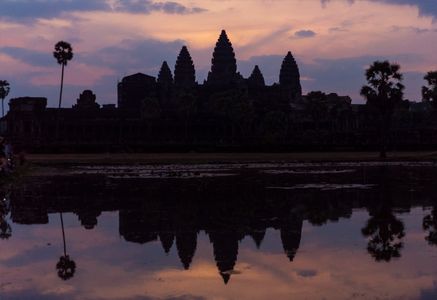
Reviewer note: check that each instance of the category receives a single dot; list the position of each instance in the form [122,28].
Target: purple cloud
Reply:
[302,34]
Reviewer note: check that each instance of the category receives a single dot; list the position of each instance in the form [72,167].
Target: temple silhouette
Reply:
[226,111]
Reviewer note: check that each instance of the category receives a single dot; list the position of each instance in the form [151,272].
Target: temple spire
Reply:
[166,239]
[225,247]
[256,78]
[184,72]
[224,64]
[186,243]
[258,237]
[291,234]
[289,76]
[165,76]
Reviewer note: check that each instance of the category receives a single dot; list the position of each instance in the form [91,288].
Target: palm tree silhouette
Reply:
[383,93]
[66,266]
[4,91]
[63,53]
[5,228]
[385,233]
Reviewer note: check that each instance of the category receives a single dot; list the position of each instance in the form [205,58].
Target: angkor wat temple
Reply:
[227,111]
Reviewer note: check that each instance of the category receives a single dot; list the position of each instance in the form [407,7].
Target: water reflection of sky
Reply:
[331,263]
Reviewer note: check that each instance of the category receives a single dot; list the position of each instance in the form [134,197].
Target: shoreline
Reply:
[195,158]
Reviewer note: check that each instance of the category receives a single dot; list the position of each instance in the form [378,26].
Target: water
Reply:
[246,231]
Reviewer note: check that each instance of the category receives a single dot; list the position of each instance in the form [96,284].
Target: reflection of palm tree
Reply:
[5,228]
[65,266]
[386,233]
[4,91]
[430,225]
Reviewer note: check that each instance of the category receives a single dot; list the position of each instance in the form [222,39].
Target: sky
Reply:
[333,41]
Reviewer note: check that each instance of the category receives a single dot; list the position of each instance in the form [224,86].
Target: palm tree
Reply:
[429,93]
[66,266]
[63,53]
[383,93]
[4,91]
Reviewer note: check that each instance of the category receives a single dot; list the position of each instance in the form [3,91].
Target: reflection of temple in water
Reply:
[146,226]
[291,231]
[228,209]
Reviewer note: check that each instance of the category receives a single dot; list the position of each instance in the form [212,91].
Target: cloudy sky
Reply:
[332,40]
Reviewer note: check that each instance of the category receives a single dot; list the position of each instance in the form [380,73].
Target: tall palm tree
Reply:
[63,53]
[66,266]
[383,93]
[4,91]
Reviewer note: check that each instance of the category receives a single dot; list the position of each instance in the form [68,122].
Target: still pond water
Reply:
[222,231]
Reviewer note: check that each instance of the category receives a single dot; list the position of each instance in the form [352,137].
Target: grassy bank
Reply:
[162,158]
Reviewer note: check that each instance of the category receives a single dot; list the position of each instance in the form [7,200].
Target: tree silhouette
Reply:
[430,225]
[66,266]
[429,93]
[5,228]
[315,106]
[4,91]
[383,93]
[63,53]
[386,233]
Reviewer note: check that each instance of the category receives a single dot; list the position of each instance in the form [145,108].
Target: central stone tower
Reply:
[224,64]
[184,72]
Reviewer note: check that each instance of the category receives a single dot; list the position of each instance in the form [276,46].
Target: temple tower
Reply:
[289,77]
[167,239]
[165,77]
[225,247]
[165,86]
[186,244]
[256,79]
[86,100]
[224,64]
[291,234]
[184,72]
